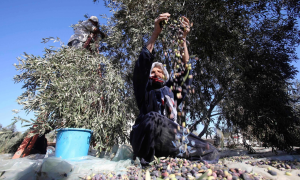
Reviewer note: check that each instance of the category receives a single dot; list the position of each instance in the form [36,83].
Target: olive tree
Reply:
[242,52]
[75,88]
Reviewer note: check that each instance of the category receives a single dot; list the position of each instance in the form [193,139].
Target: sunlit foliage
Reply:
[66,89]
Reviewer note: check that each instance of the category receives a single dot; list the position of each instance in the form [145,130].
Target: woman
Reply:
[85,33]
[156,132]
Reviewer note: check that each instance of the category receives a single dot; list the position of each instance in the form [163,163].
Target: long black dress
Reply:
[154,134]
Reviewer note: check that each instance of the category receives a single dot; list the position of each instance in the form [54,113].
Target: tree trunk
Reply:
[204,130]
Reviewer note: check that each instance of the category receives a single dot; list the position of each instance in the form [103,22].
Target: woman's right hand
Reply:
[161,17]
[157,30]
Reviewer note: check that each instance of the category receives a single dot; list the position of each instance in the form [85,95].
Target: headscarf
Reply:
[157,82]
[155,64]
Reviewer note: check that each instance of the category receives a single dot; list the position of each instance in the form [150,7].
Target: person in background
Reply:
[86,33]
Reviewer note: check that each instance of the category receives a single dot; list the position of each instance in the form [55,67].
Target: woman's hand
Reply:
[157,30]
[157,27]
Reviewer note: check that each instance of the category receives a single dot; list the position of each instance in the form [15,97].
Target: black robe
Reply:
[153,134]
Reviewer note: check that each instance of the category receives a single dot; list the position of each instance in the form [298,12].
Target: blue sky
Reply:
[23,25]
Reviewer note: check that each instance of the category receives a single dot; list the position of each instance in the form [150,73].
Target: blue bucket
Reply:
[72,143]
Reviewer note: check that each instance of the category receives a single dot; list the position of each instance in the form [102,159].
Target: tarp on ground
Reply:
[40,167]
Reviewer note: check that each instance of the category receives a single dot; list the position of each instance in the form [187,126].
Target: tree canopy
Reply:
[241,55]
[245,50]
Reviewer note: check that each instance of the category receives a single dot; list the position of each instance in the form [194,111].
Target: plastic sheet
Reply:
[124,152]
[22,168]
[40,167]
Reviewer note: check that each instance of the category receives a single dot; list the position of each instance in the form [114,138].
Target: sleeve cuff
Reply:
[149,53]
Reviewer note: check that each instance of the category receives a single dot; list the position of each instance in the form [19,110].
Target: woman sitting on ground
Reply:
[156,132]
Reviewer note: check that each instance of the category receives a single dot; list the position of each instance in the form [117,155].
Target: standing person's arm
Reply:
[89,26]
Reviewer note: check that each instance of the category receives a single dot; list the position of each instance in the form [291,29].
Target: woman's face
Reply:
[156,71]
